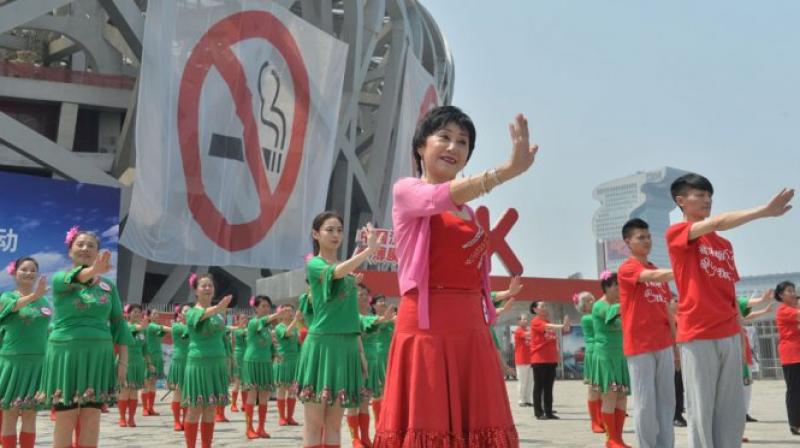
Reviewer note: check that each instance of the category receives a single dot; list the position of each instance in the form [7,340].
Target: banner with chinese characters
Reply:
[385,258]
[38,211]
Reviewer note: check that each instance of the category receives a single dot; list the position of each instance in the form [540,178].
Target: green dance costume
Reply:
[154,337]
[180,346]
[136,358]
[22,350]
[610,372]
[205,382]
[329,368]
[79,367]
[239,346]
[587,325]
[385,333]
[376,373]
[257,367]
[284,369]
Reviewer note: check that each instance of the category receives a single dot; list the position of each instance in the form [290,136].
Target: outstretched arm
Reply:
[777,206]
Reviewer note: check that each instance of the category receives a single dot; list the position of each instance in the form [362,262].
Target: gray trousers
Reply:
[653,388]
[712,376]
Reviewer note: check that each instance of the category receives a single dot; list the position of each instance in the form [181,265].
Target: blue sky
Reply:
[611,88]
[41,211]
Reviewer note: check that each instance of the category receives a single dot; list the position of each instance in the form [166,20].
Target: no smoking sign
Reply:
[214,50]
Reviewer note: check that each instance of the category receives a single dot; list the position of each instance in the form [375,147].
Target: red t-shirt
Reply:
[706,275]
[544,348]
[522,348]
[788,334]
[645,316]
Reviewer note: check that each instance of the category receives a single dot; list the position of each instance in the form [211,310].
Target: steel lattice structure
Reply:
[104,38]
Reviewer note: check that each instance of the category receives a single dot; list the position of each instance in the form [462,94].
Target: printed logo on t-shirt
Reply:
[654,293]
[717,262]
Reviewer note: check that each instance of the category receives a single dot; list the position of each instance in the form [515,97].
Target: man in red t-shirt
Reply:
[708,320]
[544,359]
[522,361]
[648,334]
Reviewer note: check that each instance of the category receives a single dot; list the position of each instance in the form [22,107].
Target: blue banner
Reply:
[36,213]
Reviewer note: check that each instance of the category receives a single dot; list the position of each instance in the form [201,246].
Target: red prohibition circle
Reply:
[214,50]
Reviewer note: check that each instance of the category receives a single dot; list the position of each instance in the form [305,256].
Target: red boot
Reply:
[620,416]
[363,424]
[190,434]
[206,434]
[262,420]
[9,441]
[352,425]
[176,416]
[132,405]
[145,399]
[290,403]
[610,424]
[27,439]
[248,420]
[219,415]
[282,412]
[235,396]
[594,414]
[152,403]
[376,410]
[123,409]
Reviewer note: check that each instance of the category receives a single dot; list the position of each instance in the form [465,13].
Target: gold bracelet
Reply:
[496,177]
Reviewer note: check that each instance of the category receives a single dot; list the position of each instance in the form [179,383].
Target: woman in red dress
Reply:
[444,384]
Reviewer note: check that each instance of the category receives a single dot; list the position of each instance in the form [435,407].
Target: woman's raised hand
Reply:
[523,153]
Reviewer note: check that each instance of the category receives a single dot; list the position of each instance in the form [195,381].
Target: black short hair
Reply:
[780,288]
[610,281]
[633,224]
[534,304]
[436,119]
[688,182]
[261,298]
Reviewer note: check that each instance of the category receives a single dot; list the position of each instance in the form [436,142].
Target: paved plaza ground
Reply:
[571,431]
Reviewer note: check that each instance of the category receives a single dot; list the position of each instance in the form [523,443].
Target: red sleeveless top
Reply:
[457,250]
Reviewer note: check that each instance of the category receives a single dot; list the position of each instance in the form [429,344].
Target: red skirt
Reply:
[444,386]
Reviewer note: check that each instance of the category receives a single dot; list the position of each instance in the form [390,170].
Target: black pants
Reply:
[678,395]
[791,374]
[544,376]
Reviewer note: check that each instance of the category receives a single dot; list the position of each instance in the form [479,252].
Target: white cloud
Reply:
[30,224]
[112,231]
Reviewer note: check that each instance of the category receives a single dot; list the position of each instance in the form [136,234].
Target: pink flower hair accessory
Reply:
[12,267]
[576,298]
[605,275]
[308,257]
[192,278]
[252,301]
[71,234]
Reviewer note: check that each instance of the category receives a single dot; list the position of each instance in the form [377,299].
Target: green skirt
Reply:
[136,373]
[329,370]
[257,375]
[588,366]
[158,362]
[177,368]
[78,372]
[376,377]
[20,376]
[205,382]
[611,371]
[284,372]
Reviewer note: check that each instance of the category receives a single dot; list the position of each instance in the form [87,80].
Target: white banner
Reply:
[419,96]
[235,128]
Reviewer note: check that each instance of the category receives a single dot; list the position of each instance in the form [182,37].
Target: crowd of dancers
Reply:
[430,368]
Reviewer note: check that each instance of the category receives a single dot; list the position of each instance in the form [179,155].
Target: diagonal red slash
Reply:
[497,238]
